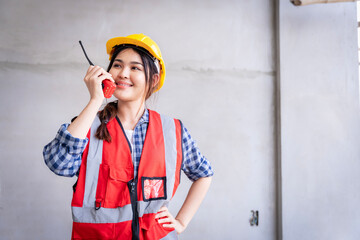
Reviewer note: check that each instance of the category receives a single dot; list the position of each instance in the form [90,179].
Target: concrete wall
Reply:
[220,78]
[320,132]
[221,60]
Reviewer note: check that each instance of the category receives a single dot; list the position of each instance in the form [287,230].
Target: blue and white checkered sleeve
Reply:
[63,154]
[195,165]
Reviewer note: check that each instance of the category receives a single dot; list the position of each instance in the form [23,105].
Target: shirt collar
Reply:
[144,118]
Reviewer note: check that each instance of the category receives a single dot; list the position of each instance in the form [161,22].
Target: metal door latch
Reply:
[254,220]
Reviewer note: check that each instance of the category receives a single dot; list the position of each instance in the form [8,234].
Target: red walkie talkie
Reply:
[107,85]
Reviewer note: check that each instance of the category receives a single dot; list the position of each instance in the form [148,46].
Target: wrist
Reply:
[182,225]
[96,102]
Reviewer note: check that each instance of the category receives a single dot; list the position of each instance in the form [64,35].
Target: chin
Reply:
[125,96]
[122,97]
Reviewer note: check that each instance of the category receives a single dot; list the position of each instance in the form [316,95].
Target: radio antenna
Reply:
[86,54]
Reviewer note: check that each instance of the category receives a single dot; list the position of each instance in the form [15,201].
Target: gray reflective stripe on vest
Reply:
[103,215]
[171,236]
[151,206]
[88,214]
[169,132]
[94,159]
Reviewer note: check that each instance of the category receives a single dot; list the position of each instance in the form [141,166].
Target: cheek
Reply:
[140,79]
[112,72]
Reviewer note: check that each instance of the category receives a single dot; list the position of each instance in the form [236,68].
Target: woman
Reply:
[128,163]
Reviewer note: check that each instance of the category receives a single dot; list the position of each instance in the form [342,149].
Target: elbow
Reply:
[63,173]
[59,163]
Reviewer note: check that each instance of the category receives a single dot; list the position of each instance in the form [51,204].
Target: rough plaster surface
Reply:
[320,121]
[220,77]
[220,83]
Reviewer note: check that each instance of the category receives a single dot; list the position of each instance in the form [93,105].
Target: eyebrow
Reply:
[133,62]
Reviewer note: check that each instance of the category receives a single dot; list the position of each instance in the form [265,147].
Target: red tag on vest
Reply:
[154,188]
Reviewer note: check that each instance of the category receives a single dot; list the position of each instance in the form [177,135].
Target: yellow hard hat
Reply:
[143,41]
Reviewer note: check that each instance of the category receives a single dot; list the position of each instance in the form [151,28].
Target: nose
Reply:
[124,73]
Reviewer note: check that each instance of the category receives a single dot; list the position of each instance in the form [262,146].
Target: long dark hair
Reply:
[110,110]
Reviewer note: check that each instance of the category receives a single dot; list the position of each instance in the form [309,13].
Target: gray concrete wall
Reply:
[320,132]
[220,77]
[221,64]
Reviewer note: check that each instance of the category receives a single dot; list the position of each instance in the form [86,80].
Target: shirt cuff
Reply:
[74,145]
[203,170]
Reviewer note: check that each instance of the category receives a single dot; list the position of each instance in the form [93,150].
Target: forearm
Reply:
[193,200]
[81,125]
[63,154]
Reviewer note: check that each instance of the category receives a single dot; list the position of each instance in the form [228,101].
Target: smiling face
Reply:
[128,72]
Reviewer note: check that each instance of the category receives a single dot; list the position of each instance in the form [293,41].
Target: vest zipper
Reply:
[132,185]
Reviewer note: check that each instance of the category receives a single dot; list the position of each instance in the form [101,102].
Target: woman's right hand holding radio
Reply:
[93,79]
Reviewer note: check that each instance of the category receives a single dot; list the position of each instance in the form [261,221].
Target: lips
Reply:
[123,84]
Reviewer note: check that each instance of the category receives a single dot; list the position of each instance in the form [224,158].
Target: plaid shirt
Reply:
[63,154]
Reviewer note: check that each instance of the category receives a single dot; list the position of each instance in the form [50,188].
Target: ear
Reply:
[156,80]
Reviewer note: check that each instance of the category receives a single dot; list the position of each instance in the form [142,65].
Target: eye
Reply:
[135,68]
[116,65]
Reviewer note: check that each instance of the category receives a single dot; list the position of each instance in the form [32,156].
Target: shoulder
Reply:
[167,122]
[155,114]
[163,116]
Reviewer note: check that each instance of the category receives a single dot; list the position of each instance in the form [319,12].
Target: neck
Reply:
[130,113]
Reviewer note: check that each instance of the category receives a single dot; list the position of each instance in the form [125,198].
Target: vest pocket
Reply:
[112,190]
[153,188]
[92,231]
[151,229]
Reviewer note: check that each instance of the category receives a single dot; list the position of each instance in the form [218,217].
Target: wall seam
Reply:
[277,96]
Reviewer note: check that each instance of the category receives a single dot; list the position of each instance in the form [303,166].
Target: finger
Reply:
[98,72]
[100,79]
[108,76]
[111,79]
[103,77]
[89,69]
[163,209]
[162,214]
[169,225]
[103,71]
[90,73]
[93,69]
[96,76]
[87,75]
[165,220]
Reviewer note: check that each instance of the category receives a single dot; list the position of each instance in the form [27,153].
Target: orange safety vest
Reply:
[109,203]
